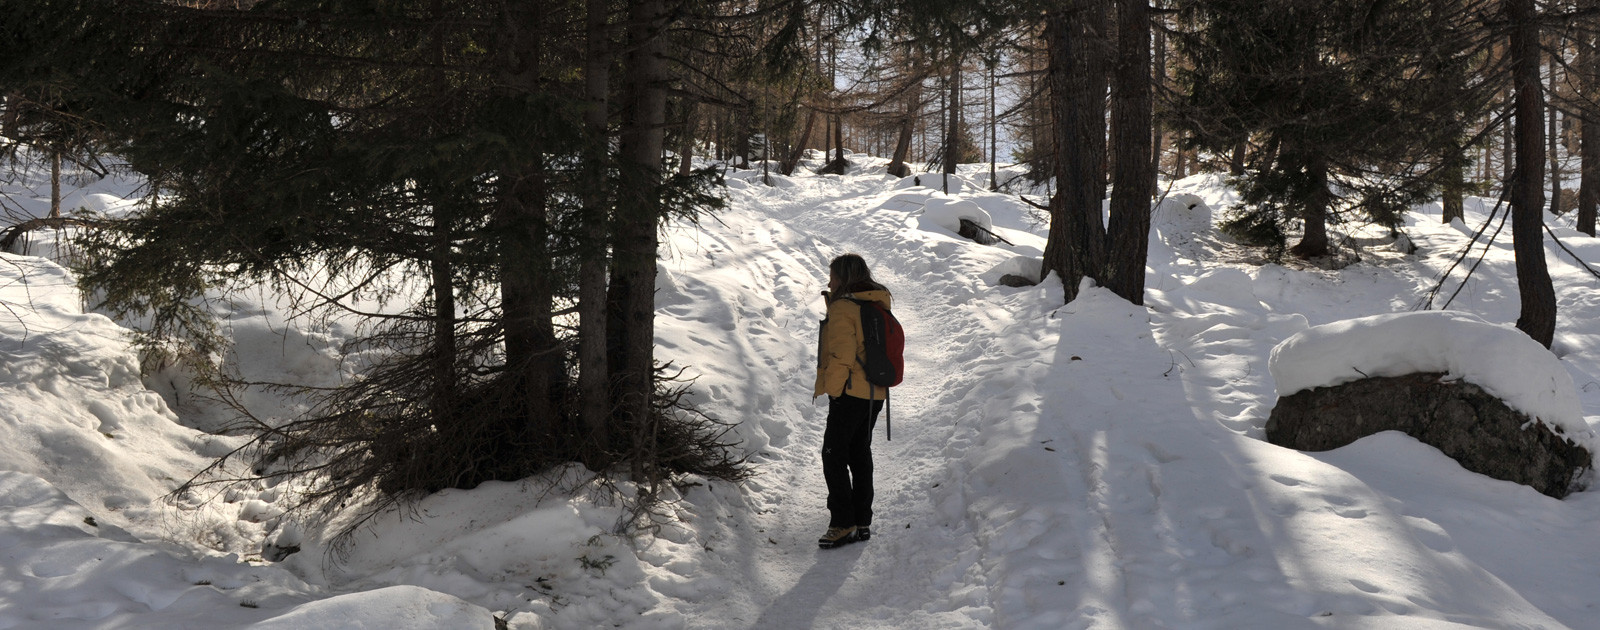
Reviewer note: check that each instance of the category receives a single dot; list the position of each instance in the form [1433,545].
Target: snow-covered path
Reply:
[1093,465]
[904,577]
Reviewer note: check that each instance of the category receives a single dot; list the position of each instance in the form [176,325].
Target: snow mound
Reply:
[947,213]
[73,409]
[1500,359]
[392,608]
[1025,266]
[1183,211]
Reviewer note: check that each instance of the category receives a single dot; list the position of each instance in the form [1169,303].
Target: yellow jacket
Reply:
[840,350]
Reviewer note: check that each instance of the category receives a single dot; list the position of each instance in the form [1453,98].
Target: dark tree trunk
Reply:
[1554,135]
[993,124]
[1589,128]
[534,356]
[631,300]
[1538,315]
[1315,240]
[1075,37]
[1454,194]
[442,278]
[908,130]
[55,183]
[594,375]
[1236,161]
[952,128]
[1158,133]
[799,152]
[1130,196]
[1178,166]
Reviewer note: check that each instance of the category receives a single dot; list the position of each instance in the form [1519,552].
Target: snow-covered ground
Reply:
[1082,465]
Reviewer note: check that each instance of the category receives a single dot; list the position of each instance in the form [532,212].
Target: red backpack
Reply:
[885,341]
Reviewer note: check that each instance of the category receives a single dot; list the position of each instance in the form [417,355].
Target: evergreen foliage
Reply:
[416,166]
[1359,99]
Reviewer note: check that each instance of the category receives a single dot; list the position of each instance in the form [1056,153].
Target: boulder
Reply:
[1458,418]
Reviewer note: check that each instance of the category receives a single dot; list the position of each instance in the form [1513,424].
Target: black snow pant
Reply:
[847,459]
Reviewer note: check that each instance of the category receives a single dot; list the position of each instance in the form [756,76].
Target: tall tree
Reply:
[1131,128]
[1588,72]
[1538,313]
[1076,39]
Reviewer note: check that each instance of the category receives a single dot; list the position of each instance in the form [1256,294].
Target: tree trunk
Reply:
[594,374]
[1538,314]
[1178,167]
[1554,135]
[1236,161]
[908,129]
[1589,127]
[952,133]
[1315,240]
[1454,193]
[1158,133]
[442,398]
[1130,196]
[1075,37]
[55,183]
[793,161]
[994,184]
[631,300]
[534,357]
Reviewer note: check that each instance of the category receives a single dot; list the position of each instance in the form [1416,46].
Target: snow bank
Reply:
[72,407]
[947,213]
[1500,359]
[387,609]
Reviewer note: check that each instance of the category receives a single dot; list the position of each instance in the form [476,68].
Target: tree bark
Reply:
[1131,131]
[1454,194]
[534,357]
[1157,129]
[908,129]
[799,151]
[1553,135]
[1075,37]
[994,184]
[1315,240]
[594,373]
[1589,126]
[1538,313]
[55,183]
[631,299]
[952,129]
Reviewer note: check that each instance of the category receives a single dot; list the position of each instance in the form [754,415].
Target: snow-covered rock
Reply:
[1501,359]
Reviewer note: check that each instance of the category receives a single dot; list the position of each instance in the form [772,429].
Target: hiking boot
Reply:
[837,537]
[863,533]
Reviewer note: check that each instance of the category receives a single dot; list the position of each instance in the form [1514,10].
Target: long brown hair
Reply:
[852,273]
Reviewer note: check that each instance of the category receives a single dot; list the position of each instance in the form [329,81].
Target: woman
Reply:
[853,403]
